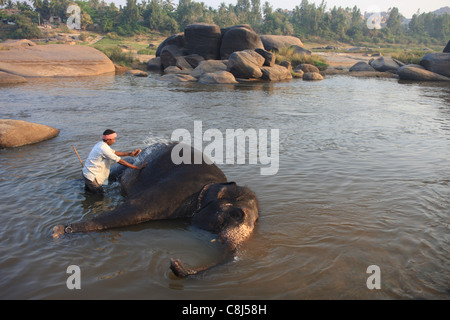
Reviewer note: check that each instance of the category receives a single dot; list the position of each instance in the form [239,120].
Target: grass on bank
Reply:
[288,54]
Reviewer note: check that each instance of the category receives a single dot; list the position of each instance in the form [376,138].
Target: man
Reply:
[97,166]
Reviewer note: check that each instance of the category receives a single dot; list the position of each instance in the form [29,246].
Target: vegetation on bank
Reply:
[288,54]
[308,21]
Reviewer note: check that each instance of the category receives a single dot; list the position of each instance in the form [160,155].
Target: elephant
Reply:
[165,190]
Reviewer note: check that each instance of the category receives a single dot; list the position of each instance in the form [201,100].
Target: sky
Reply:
[406,7]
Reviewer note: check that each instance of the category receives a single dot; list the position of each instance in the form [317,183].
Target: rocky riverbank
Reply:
[25,59]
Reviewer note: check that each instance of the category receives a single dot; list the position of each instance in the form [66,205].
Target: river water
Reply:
[363,180]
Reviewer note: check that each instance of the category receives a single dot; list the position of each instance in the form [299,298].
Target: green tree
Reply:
[394,22]
[225,16]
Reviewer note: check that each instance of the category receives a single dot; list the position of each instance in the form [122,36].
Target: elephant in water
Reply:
[164,190]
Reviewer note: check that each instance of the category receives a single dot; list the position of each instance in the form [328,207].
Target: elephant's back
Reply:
[161,168]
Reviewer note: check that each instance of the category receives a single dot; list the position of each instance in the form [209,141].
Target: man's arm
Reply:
[132,166]
[122,154]
[133,153]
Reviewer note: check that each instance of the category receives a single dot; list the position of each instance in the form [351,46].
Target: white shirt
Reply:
[99,161]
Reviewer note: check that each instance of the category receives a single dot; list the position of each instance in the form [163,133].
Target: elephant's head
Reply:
[228,210]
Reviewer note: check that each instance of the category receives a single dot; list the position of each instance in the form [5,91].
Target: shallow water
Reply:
[363,179]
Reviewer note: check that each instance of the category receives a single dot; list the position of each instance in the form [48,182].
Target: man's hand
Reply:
[135,152]
[142,166]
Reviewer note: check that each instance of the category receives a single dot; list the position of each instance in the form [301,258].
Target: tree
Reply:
[255,13]
[158,17]
[394,22]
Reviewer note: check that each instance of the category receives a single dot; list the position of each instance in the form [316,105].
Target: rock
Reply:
[312,76]
[275,73]
[9,78]
[361,66]
[297,74]
[419,73]
[120,69]
[9,44]
[245,26]
[55,60]
[173,69]
[194,60]
[175,39]
[245,64]
[286,64]
[269,57]
[276,42]
[154,64]
[209,66]
[383,64]
[239,38]
[15,133]
[306,67]
[137,73]
[437,63]
[203,39]
[175,77]
[183,64]
[169,55]
[299,50]
[219,77]
[447,48]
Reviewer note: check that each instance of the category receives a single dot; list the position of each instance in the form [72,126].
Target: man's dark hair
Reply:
[108,131]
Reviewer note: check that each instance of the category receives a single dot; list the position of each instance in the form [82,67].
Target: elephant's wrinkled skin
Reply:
[163,190]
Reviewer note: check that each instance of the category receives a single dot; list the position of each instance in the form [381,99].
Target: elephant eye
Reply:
[237,214]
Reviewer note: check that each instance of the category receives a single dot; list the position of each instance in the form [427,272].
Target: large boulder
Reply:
[312,76]
[306,67]
[219,77]
[209,66]
[239,38]
[276,42]
[361,66]
[383,64]
[154,64]
[169,55]
[194,59]
[203,39]
[15,133]
[246,64]
[416,72]
[269,57]
[176,77]
[8,44]
[437,63]
[275,73]
[300,50]
[175,39]
[54,60]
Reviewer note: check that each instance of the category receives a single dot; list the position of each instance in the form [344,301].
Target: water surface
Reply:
[364,179]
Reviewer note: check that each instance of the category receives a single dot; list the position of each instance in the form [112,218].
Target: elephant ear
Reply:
[206,188]
[224,190]
[201,195]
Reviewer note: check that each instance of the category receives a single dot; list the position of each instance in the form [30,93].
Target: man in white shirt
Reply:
[97,166]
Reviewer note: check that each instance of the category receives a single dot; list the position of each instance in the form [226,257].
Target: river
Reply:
[363,180]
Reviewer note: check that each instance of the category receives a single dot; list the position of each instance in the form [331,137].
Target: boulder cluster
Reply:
[208,54]
[432,67]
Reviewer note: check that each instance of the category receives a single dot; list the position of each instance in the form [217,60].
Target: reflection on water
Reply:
[363,180]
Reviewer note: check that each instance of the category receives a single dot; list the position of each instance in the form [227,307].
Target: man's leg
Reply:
[93,186]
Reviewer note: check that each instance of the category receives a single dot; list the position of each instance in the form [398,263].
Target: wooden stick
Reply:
[77,155]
